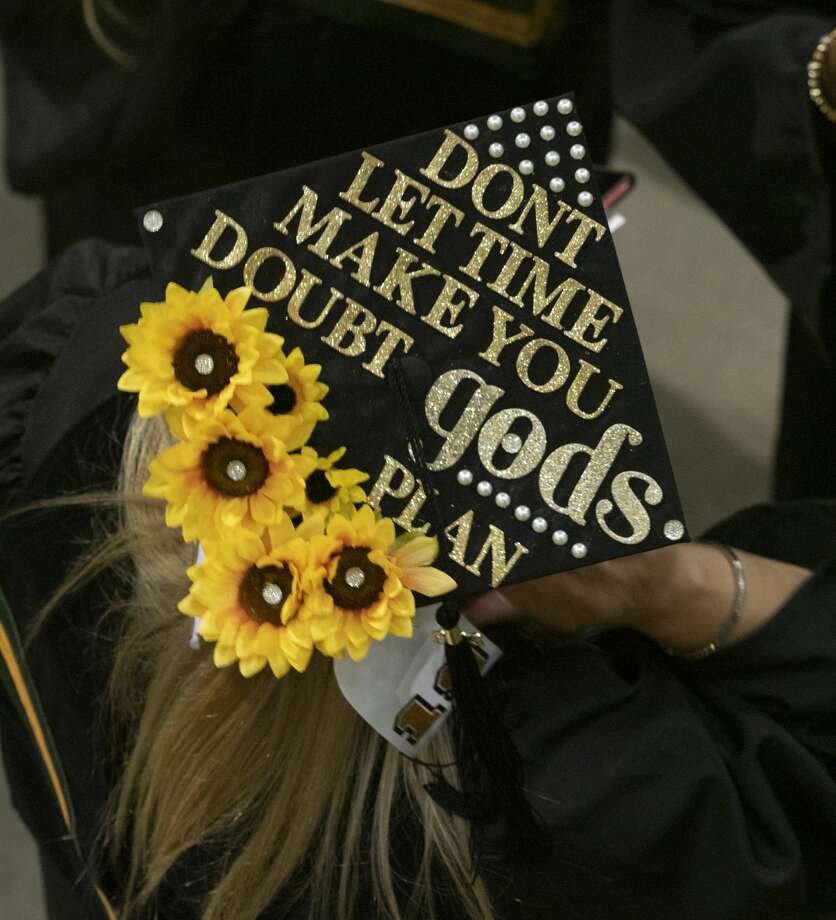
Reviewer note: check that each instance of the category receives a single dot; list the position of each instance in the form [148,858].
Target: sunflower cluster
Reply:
[295,561]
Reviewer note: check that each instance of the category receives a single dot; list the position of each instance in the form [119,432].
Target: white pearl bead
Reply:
[585,199]
[578,550]
[204,364]
[496,150]
[557,184]
[674,530]
[574,128]
[494,122]
[560,538]
[512,443]
[484,488]
[547,132]
[552,158]
[517,114]
[582,175]
[464,477]
[152,221]
[540,107]
[522,140]
[236,470]
[272,595]
[577,151]
[355,577]
[471,132]
[526,167]
[503,499]
[539,525]
[564,106]
[522,512]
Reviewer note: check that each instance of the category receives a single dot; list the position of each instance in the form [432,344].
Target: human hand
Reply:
[679,596]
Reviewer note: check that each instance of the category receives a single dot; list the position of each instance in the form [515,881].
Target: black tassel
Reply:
[490,767]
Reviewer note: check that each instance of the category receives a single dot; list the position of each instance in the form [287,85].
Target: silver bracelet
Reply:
[736,611]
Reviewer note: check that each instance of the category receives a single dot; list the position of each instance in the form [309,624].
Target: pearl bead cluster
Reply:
[522,512]
[547,132]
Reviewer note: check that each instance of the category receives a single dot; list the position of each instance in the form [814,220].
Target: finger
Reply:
[490,609]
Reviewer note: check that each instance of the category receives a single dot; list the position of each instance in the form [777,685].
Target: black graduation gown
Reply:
[719,87]
[702,790]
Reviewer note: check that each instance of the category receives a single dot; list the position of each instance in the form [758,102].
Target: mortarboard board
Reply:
[476,261]
[459,294]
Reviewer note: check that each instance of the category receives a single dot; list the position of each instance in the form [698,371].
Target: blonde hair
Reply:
[302,796]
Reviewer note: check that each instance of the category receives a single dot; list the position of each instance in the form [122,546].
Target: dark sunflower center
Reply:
[263,592]
[317,487]
[357,581]
[204,359]
[284,399]
[234,468]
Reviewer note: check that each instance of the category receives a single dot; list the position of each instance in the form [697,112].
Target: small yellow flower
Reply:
[234,472]
[198,353]
[247,594]
[329,489]
[297,401]
[359,583]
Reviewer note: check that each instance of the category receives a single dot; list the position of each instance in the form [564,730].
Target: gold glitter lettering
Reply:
[256,260]
[544,226]
[458,533]
[327,226]
[500,564]
[630,506]
[560,374]
[575,391]
[360,181]
[509,269]
[489,239]
[363,259]
[400,279]
[601,458]
[589,317]
[444,211]
[458,438]
[356,322]
[579,237]
[529,455]
[500,338]
[405,487]
[396,201]
[406,519]
[446,306]
[450,145]
[222,223]
[394,337]
[514,196]
[562,295]
[300,296]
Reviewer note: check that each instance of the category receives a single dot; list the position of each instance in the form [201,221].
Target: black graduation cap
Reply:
[461,291]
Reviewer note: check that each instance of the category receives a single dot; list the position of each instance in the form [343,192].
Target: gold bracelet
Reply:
[737,608]
[814,69]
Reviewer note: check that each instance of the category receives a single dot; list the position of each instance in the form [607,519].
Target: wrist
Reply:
[693,600]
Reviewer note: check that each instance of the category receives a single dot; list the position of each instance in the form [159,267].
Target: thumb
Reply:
[491,608]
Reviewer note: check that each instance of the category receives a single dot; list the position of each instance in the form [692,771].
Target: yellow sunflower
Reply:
[297,401]
[234,472]
[359,583]
[329,489]
[247,593]
[197,353]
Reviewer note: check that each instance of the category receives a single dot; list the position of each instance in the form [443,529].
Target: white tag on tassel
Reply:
[402,687]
